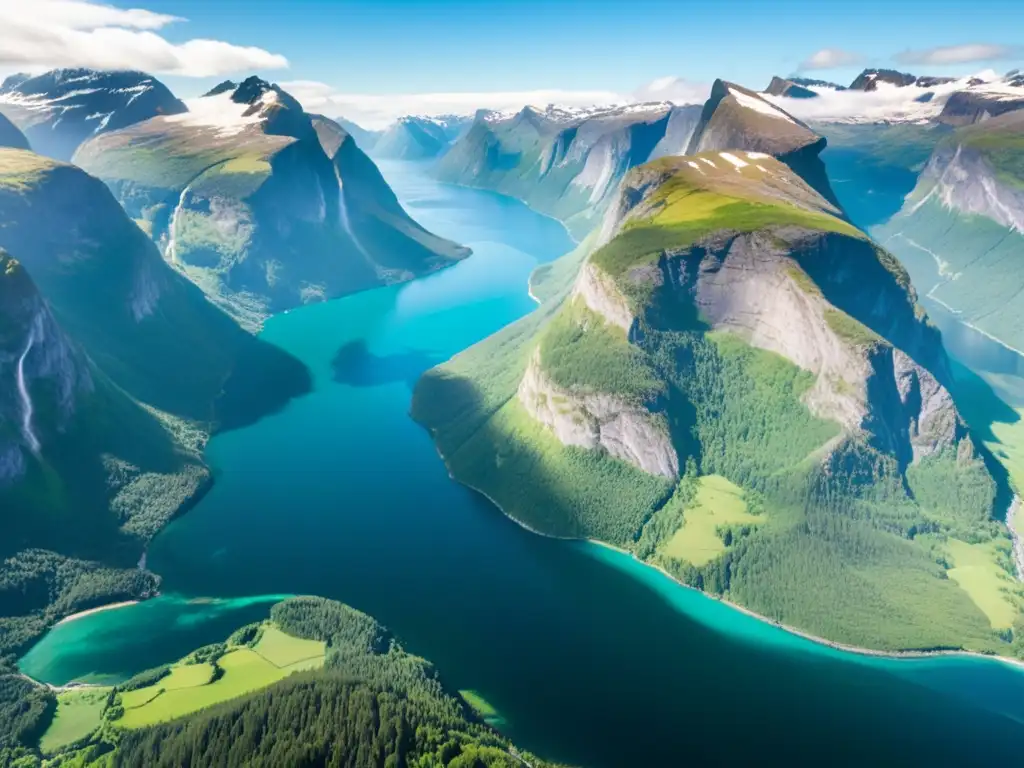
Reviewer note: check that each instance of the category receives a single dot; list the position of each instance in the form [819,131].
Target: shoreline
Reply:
[98,609]
[822,641]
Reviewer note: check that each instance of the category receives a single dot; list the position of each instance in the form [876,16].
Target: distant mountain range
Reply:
[882,95]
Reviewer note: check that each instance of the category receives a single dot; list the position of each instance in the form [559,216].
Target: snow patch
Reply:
[760,105]
[709,162]
[731,158]
[757,155]
[219,112]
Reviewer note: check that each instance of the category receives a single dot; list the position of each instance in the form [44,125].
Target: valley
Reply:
[410,553]
[536,434]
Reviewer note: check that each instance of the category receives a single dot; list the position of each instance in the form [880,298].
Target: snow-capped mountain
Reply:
[60,109]
[887,96]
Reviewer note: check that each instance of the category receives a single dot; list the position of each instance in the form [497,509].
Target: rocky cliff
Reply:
[147,327]
[566,163]
[961,228]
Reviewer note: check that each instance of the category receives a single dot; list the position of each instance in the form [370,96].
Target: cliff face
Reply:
[243,195]
[566,163]
[87,475]
[962,227]
[142,322]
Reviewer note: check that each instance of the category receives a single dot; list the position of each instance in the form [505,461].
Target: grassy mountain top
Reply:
[169,153]
[711,194]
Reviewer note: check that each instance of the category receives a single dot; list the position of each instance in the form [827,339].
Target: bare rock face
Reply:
[963,179]
[41,371]
[600,421]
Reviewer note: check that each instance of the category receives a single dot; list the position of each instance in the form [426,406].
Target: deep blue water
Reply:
[589,657]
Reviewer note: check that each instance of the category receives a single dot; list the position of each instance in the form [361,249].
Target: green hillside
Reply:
[667,355]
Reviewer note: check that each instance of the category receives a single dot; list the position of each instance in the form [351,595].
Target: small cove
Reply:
[589,656]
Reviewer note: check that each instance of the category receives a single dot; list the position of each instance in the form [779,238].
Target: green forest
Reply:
[370,704]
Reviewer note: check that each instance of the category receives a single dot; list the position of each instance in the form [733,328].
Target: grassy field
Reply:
[483,708]
[285,651]
[190,688]
[718,502]
[978,573]
[79,713]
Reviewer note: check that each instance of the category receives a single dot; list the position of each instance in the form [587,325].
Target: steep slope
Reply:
[147,327]
[566,163]
[87,475]
[874,166]
[734,117]
[240,195]
[10,136]
[60,109]
[365,139]
[733,331]
[420,138]
[961,230]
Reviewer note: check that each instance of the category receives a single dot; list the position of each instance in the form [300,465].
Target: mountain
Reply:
[240,194]
[780,87]
[87,475]
[364,138]
[114,370]
[60,109]
[420,138]
[565,162]
[887,97]
[961,231]
[736,117]
[738,386]
[146,326]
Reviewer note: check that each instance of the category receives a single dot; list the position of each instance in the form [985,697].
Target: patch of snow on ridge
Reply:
[731,158]
[218,112]
[760,105]
[758,155]
[709,162]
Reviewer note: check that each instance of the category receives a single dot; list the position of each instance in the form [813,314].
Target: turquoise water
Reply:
[589,656]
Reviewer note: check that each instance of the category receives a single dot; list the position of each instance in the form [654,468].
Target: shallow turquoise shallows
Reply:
[590,657]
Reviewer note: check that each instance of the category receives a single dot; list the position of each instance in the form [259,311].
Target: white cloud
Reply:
[378,111]
[960,54]
[37,35]
[674,89]
[831,58]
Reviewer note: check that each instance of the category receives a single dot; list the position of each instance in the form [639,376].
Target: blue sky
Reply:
[512,50]
[402,46]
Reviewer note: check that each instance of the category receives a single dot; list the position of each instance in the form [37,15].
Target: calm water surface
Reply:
[590,657]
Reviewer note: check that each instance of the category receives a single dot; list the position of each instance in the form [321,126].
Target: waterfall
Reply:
[343,215]
[171,252]
[26,401]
